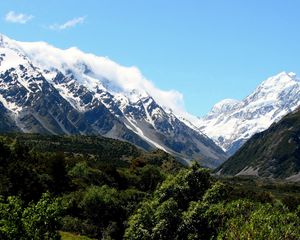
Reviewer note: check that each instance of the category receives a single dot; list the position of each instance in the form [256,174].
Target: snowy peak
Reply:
[11,59]
[225,106]
[3,40]
[50,90]
[230,122]
[278,80]
[273,90]
[274,85]
[6,42]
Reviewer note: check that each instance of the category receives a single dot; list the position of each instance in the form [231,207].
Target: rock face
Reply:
[47,90]
[274,153]
[231,123]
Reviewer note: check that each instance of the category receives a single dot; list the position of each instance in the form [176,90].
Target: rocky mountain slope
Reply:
[44,89]
[273,153]
[231,123]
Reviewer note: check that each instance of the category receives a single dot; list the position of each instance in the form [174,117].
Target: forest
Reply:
[88,187]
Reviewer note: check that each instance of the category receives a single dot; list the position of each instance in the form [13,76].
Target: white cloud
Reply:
[69,24]
[120,78]
[14,17]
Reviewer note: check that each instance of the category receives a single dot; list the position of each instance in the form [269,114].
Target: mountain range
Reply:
[47,90]
[231,123]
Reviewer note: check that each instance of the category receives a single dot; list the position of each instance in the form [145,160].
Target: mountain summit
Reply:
[231,123]
[48,90]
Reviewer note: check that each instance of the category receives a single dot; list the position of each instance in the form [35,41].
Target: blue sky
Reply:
[207,50]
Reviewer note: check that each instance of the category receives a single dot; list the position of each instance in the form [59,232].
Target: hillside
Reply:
[274,153]
[104,151]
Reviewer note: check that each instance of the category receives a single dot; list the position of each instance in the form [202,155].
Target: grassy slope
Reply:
[70,236]
[250,185]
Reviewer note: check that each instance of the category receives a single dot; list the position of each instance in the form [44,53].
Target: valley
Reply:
[89,149]
[65,183]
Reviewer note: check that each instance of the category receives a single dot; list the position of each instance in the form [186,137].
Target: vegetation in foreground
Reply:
[106,189]
[71,236]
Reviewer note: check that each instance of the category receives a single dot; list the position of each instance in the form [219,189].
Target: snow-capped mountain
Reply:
[48,90]
[231,122]
[273,153]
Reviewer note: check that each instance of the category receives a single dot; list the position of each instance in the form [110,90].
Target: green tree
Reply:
[217,193]
[35,222]
[160,217]
[102,207]
[166,219]
[141,223]
[150,177]
[42,220]
[188,185]
[84,176]
[11,225]
[57,172]
[265,222]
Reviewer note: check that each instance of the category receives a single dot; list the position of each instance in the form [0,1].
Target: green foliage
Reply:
[142,222]
[101,181]
[218,192]
[160,217]
[11,225]
[166,219]
[190,205]
[194,224]
[149,177]
[188,185]
[130,198]
[33,222]
[42,220]
[106,189]
[265,222]
[84,176]
[99,203]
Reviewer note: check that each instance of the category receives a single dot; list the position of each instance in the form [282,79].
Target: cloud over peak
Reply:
[14,17]
[68,24]
[121,79]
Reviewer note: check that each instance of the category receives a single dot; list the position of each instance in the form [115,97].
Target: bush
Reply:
[39,220]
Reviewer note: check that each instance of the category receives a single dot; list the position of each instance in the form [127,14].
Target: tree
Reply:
[150,177]
[102,207]
[42,220]
[188,185]
[11,225]
[57,172]
[166,219]
[218,192]
[35,222]
[160,217]
[264,222]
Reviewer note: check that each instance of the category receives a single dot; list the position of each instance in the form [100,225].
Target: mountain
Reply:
[47,90]
[273,153]
[231,123]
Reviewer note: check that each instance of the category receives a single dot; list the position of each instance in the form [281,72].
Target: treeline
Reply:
[91,184]
[107,189]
